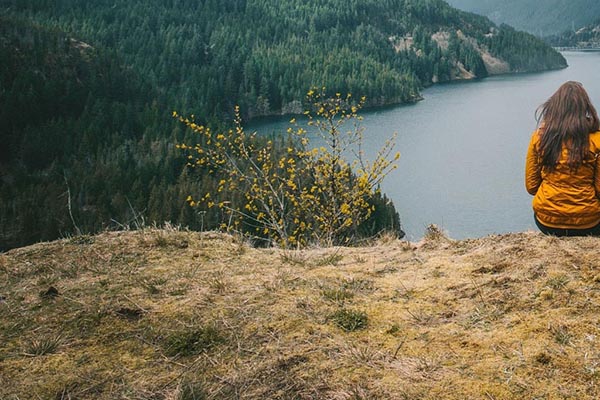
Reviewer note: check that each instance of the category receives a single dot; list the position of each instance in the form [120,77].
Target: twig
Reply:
[136,304]
[398,349]
[479,291]
[69,204]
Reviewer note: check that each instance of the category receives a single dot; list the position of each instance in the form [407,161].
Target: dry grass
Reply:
[176,315]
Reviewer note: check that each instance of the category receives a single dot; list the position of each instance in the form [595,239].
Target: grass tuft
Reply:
[434,233]
[561,335]
[394,330]
[350,320]
[337,295]
[558,282]
[217,282]
[358,285]
[82,240]
[294,257]
[329,259]
[193,342]
[42,346]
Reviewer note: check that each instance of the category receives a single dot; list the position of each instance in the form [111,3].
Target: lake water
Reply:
[463,149]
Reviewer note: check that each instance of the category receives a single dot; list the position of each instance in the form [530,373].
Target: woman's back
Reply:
[565,197]
[562,170]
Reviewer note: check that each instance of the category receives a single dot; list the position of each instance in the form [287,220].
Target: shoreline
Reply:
[277,116]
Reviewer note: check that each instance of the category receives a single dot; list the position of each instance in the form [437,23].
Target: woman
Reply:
[563,164]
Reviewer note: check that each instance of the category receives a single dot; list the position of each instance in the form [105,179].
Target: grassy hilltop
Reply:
[170,314]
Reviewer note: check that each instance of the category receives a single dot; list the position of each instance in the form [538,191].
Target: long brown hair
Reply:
[566,119]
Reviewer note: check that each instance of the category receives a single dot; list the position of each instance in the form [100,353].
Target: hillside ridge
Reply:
[540,17]
[586,37]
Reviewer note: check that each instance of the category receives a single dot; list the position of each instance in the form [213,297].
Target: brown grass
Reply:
[170,314]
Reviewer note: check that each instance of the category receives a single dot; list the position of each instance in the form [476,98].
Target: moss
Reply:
[193,341]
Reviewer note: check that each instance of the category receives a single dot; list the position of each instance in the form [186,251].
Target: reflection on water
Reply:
[463,149]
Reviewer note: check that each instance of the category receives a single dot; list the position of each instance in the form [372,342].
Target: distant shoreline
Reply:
[275,115]
[578,49]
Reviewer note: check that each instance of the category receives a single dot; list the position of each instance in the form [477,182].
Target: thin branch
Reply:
[69,204]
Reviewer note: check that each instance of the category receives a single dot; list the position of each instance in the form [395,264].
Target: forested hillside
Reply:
[210,55]
[540,17]
[78,129]
[87,89]
[587,37]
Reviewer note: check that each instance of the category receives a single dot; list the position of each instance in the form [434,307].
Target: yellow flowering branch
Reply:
[289,192]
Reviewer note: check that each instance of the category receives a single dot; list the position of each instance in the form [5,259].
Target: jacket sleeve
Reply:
[533,168]
[597,175]
[595,149]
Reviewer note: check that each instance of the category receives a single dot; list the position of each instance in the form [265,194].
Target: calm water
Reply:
[463,149]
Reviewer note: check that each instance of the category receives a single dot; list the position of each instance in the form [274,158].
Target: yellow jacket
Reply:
[565,198]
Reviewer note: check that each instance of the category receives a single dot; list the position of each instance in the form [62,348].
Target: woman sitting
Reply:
[563,165]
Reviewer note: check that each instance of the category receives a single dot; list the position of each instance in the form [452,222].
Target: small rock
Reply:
[51,293]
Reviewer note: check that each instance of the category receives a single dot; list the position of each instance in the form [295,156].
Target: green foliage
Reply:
[337,295]
[383,219]
[211,55]
[528,56]
[70,123]
[193,341]
[42,346]
[350,320]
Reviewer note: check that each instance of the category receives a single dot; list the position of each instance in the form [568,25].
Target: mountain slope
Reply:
[46,75]
[102,78]
[73,138]
[209,56]
[587,37]
[164,314]
[540,17]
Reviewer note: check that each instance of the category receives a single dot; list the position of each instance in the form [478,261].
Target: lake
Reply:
[463,149]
